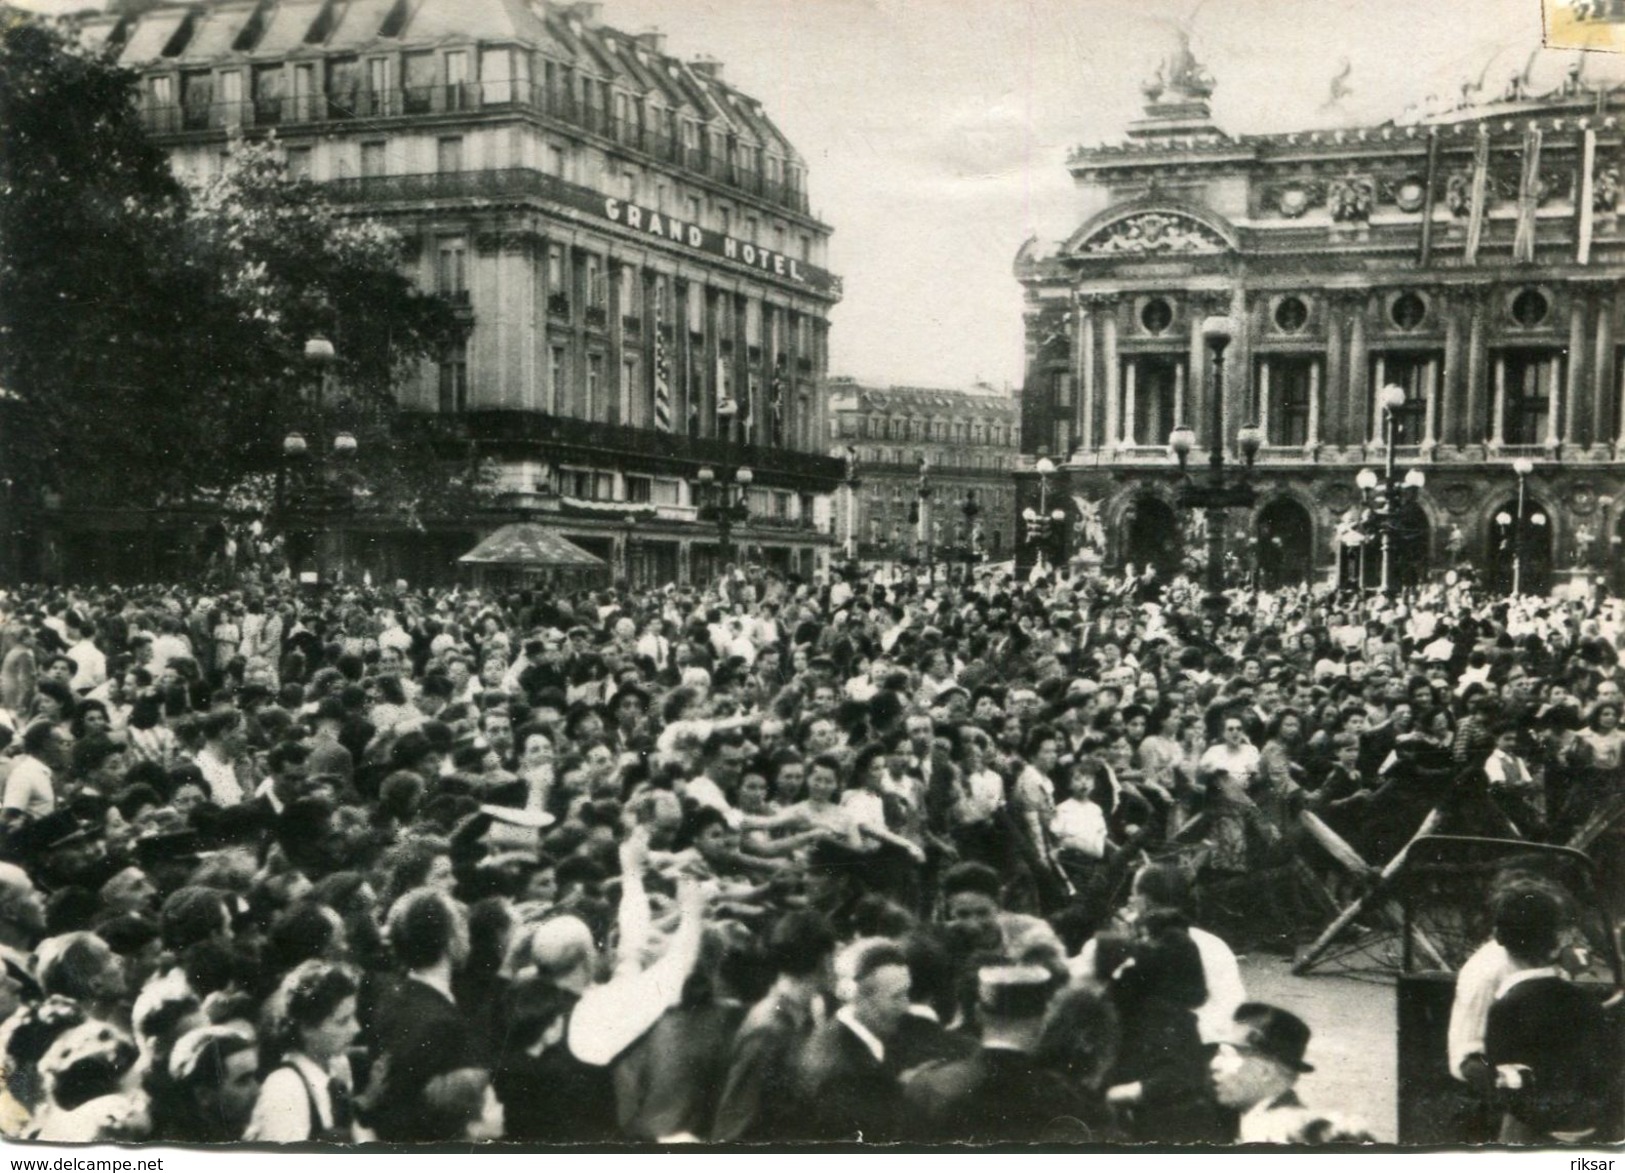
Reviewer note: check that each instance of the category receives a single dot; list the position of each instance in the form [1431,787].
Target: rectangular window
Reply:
[377,99]
[448,155]
[457,87]
[595,386]
[555,161]
[1061,388]
[231,97]
[640,490]
[454,379]
[806,247]
[197,99]
[694,210]
[597,287]
[725,218]
[161,91]
[1290,382]
[496,76]
[629,375]
[304,92]
[1157,381]
[451,276]
[1530,377]
[752,229]
[343,87]
[1411,371]
[266,83]
[555,379]
[629,186]
[417,83]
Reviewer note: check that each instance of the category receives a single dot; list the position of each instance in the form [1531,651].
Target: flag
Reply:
[663,413]
[747,409]
[1523,242]
[1480,194]
[1588,176]
[776,398]
[1432,178]
[726,407]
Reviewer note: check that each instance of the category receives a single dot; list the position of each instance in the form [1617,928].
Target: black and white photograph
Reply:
[744,576]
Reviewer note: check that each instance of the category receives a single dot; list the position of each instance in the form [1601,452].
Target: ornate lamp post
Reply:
[1219,493]
[296,448]
[1522,466]
[970,509]
[849,487]
[725,509]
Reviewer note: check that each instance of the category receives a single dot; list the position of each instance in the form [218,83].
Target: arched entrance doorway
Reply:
[1524,546]
[1152,535]
[1285,544]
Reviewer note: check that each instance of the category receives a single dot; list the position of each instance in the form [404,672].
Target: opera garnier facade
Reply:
[1418,326]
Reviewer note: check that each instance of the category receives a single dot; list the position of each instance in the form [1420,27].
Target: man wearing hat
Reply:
[1255,1071]
[1001,1094]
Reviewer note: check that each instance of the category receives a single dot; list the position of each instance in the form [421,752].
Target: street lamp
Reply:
[319,355]
[1219,493]
[970,509]
[850,485]
[725,509]
[1522,466]
[922,524]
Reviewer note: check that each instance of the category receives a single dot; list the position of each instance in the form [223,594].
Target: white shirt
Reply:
[866,808]
[1241,763]
[1507,769]
[28,787]
[1477,982]
[1080,825]
[221,775]
[282,1112]
[986,797]
[90,666]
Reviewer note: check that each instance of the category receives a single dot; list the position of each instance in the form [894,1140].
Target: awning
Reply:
[523,544]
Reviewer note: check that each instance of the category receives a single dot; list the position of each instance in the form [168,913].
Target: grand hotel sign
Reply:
[671,230]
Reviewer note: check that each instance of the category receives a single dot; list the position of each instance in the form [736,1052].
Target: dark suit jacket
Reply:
[1559,1031]
[924,1040]
[848,1094]
[1001,1097]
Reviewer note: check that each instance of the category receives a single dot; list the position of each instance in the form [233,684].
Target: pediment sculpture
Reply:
[1155,233]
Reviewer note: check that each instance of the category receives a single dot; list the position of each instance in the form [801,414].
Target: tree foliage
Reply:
[152,332]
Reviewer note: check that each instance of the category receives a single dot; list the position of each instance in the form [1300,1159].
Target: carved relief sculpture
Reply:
[1351,198]
[1155,232]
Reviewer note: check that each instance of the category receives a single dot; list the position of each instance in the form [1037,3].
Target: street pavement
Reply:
[1354,1041]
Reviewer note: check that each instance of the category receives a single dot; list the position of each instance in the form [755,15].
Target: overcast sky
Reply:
[936,131]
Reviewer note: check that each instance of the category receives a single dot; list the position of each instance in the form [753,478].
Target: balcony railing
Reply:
[345,105]
[639,447]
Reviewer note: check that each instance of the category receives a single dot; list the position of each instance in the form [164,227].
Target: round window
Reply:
[1408,311]
[1529,308]
[1156,316]
[1291,314]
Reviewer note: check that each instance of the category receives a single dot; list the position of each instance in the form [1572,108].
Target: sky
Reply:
[936,131]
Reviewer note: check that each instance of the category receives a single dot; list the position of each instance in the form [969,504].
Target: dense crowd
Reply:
[759,861]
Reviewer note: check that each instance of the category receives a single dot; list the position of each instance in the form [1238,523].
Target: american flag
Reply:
[663,413]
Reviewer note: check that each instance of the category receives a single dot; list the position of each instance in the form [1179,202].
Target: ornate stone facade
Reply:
[1471,258]
[626,235]
[968,443]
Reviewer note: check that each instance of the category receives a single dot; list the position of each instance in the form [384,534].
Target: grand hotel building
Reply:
[1471,257]
[626,235]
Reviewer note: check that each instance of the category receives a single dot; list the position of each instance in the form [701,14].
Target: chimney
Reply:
[652,39]
[707,67]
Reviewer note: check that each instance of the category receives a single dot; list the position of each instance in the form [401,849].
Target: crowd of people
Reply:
[753,861]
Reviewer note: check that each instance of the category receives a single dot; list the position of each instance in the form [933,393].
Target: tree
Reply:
[152,334]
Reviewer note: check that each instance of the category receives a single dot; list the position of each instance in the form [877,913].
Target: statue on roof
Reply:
[1340,86]
[1182,73]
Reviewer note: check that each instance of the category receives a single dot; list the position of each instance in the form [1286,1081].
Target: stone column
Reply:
[1196,388]
[1179,399]
[1083,370]
[1264,399]
[1430,416]
[1379,378]
[1129,380]
[1109,352]
[1472,429]
[1574,390]
[1450,431]
[1312,431]
[1498,419]
[1554,395]
[1335,366]
[1602,371]
[1359,385]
